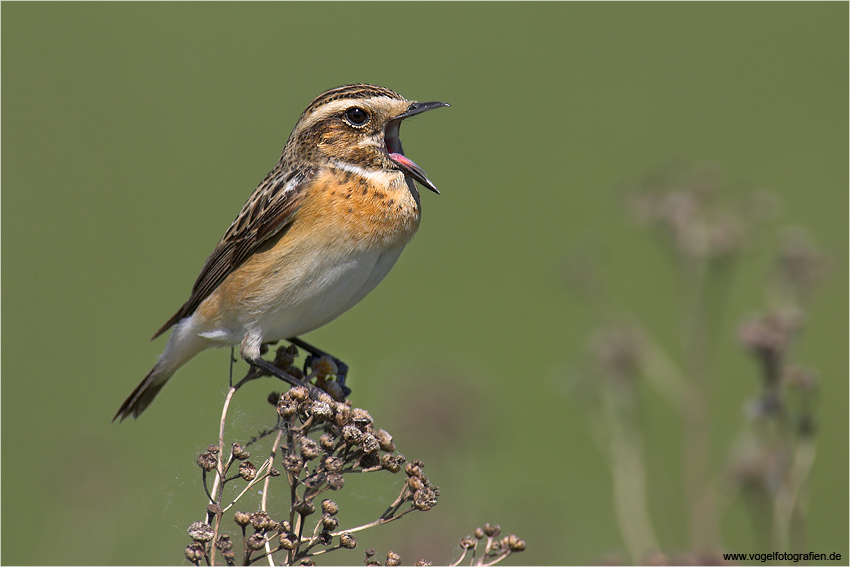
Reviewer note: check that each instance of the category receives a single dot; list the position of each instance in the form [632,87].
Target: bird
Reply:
[317,234]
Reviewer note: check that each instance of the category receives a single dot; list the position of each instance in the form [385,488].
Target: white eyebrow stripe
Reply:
[335,107]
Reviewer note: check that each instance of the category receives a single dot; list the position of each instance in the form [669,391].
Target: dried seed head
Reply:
[293,463]
[330,507]
[479,533]
[515,543]
[327,442]
[370,460]
[386,441]
[412,469]
[241,518]
[213,449]
[316,479]
[299,393]
[334,390]
[283,357]
[468,542]
[415,483]
[369,443]
[321,411]
[343,414]
[492,530]
[324,366]
[332,464]
[307,563]
[207,461]
[248,471]
[329,523]
[351,434]
[256,541]
[305,507]
[325,537]
[195,552]
[361,418]
[274,398]
[309,448]
[229,556]
[770,333]
[261,521]
[425,499]
[347,541]
[288,540]
[199,531]
[224,542]
[239,453]
[287,407]
[335,481]
[393,559]
[422,563]
[325,398]
[392,463]
[273,472]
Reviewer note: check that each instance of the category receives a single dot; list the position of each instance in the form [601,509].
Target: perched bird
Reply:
[318,234]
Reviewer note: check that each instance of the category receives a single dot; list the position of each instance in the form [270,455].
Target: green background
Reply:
[132,134]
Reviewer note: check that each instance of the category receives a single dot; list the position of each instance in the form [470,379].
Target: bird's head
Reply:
[358,126]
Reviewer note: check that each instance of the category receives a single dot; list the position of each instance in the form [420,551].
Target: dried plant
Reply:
[706,234]
[494,550]
[315,444]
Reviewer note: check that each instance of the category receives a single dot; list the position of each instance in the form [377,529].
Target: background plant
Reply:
[706,236]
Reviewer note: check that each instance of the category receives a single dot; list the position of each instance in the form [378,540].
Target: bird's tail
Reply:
[182,345]
[144,393]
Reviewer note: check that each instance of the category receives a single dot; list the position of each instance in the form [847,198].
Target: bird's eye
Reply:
[356,116]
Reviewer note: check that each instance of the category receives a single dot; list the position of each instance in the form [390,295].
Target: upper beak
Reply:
[394,144]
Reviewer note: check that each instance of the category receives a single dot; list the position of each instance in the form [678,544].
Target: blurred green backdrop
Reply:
[132,134]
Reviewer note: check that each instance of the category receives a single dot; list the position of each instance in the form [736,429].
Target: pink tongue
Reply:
[402,159]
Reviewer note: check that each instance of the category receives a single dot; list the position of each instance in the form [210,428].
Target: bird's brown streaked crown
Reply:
[353,92]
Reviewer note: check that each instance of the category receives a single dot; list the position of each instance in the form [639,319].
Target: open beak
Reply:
[394,143]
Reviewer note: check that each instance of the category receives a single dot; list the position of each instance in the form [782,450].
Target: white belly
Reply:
[324,289]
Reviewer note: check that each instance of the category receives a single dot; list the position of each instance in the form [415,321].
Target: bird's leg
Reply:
[342,368]
[266,366]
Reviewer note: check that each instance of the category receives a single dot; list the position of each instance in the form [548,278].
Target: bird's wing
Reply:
[270,209]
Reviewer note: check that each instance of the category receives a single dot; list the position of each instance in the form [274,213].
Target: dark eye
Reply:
[356,116]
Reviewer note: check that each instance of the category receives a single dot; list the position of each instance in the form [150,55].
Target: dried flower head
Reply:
[247,471]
